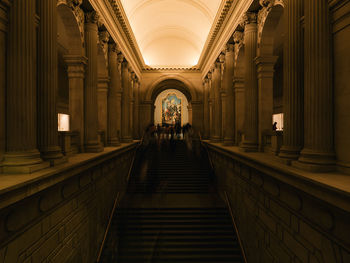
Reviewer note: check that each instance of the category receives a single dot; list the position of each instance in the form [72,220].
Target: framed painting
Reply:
[171,110]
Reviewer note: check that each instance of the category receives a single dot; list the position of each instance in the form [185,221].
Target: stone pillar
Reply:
[146,114]
[131,96]
[92,143]
[114,86]
[230,99]
[238,86]
[223,98]
[318,152]
[206,110]
[125,126]
[4,5]
[76,69]
[22,155]
[250,136]
[189,107]
[136,132]
[210,102]
[216,105]
[293,86]
[265,67]
[47,83]
[102,103]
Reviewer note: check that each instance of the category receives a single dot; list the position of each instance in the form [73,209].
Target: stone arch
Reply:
[70,34]
[269,19]
[173,82]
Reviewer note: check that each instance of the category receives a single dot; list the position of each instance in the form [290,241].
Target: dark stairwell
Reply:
[171,211]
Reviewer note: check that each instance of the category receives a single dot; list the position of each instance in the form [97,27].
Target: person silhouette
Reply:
[274,126]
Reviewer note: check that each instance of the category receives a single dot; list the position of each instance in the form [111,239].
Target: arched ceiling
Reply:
[171,33]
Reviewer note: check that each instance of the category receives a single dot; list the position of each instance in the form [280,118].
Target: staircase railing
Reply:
[134,157]
[226,200]
[107,229]
[235,226]
[117,199]
[207,152]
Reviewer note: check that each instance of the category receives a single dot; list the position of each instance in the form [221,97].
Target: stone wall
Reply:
[61,215]
[284,215]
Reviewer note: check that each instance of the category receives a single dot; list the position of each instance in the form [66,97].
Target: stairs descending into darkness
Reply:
[171,213]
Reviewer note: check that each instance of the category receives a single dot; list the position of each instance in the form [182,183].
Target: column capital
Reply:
[113,47]
[238,37]
[91,17]
[230,47]
[74,3]
[103,36]
[249,18]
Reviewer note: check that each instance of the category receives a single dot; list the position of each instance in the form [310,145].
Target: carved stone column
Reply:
[210,102]
[216,105]
[293,86]
[223,98]
[22,155]
[131,96]
[318,153]
[206,110]
[119,96]
[250,137]
[238,87]
[136,132]
[189,107]
[230,99]
[47,83]
[126,137]
[265,67]
[76,69]
[4,5]
[92,143]
[102,103]
[112,131]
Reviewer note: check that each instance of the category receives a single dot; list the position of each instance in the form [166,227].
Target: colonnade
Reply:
[244,110]
[95,103]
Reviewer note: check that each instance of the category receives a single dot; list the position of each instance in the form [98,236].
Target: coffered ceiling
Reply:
[171,33]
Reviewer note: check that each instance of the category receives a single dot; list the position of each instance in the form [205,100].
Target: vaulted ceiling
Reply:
[171,33]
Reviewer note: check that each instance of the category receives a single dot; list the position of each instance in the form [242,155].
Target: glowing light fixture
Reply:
[63,122]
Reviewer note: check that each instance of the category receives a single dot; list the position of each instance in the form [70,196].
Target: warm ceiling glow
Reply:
[171,33]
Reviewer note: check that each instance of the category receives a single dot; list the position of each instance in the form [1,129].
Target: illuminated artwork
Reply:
[63,122]
[171,109]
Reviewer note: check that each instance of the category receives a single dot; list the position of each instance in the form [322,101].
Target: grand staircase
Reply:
[171,213]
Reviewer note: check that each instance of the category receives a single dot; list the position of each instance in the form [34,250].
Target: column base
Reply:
[215,139]
[53,155]
[114,142]
[93,147]
[23,162]
[248,146]
[228,142]
[289,154]
[126,140]
[317,162]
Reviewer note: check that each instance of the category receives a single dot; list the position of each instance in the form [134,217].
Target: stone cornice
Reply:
[228,26]
[114,21]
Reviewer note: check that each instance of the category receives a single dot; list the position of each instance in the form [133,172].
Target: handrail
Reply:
[206,149]
[107,229]
[133,158]
[235,226]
